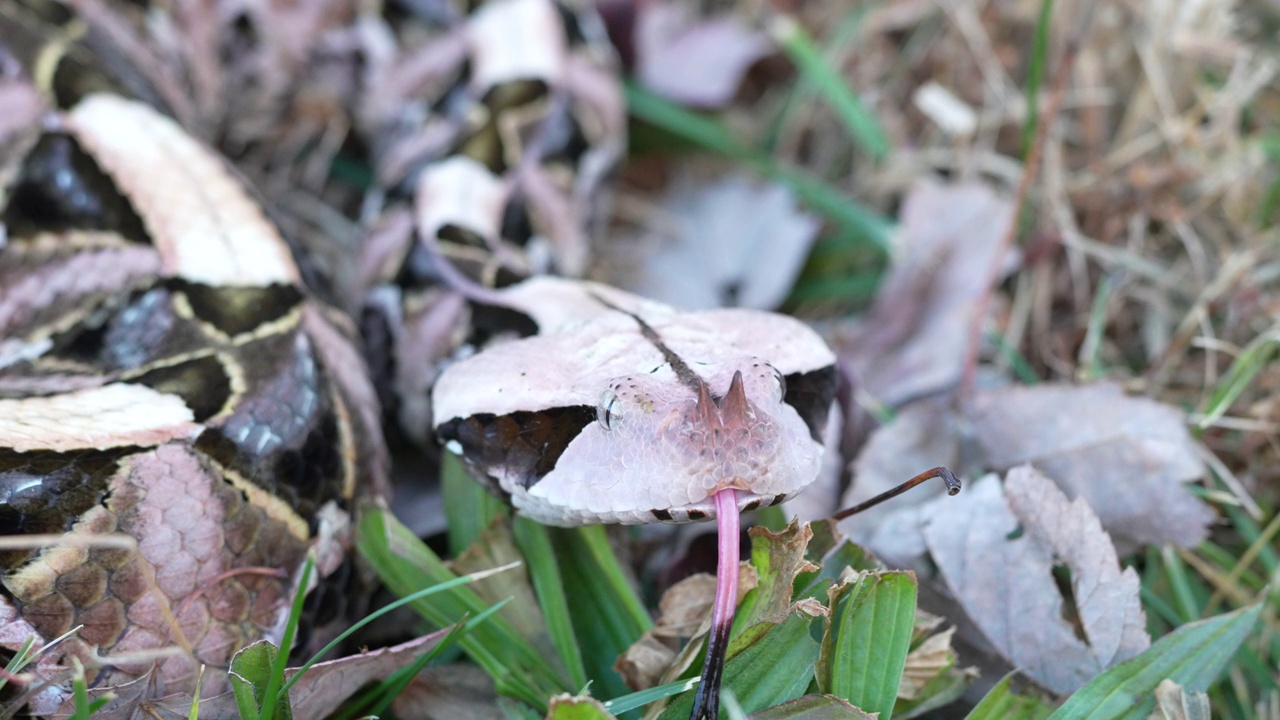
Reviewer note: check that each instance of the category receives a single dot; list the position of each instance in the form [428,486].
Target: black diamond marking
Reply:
[44,491]
[202,383]
[60,187]
[238,310]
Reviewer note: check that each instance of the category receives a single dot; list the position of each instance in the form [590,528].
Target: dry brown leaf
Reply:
[449,692]
[930,659]
[1128,456]
[683,612]
[914,340]
[1173,702]
[693,62]
[927,433]
[726,241]
[997,552]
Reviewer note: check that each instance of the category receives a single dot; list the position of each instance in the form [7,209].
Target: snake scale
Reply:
[178,371]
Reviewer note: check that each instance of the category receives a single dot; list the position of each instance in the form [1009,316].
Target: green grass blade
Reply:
[869,228]
[1192,656]
[639,699]
[281,660]
[1003,703]
[606,613]
[812,707]
[868,636]
[1035,74]
[406,565]
[468,506]
[863,127]
[544,572]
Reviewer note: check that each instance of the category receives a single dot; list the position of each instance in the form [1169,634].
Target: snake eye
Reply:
[606,409]
[782,383]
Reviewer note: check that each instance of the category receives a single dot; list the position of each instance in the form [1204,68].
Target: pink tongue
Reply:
[706,702]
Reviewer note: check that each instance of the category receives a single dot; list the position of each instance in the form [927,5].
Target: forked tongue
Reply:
[706,702]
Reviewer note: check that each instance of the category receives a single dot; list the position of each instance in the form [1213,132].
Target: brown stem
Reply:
[948,477]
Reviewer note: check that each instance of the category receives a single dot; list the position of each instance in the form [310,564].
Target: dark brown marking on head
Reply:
[697,515]
[811,394]
[661,515]
[526,445]
[684,373]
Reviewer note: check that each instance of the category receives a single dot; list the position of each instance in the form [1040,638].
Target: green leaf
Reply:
[812,707]
[1192,656]
[566,707]
[544,572]
[867,639]
[468,506]
[768,664]
[251,670]
[606,613]
[640,698]
[861,124]
[1002,702]
[778,559]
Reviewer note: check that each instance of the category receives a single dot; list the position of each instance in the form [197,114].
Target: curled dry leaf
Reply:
[691,61]
[683,612]
[1128,456]
[1173,702]
[727,241]
[914,340]
[997,552]
[449,692]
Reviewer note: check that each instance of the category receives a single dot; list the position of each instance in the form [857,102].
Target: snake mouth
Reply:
[706,509]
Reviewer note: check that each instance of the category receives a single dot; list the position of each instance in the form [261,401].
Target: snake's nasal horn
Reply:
[732,407]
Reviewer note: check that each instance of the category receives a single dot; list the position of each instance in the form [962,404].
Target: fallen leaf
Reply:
[725,241]
[449,692]
[691,61]
[326,685]
[996,551]
[927,433]
[1173,702]
[1128,456]
[811,707]
[914,340]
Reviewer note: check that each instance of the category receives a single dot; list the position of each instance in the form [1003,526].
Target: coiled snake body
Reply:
[167,376]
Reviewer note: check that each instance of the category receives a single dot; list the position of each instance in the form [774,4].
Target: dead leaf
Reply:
[721,241]
[812,707]
[914,340]
[690,61]
[1128,456]
[997,552]
[324,687]
[449,692]
[927,433]
[1173,702]
[928,660]
[683,612]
